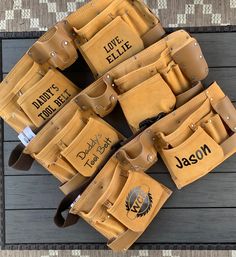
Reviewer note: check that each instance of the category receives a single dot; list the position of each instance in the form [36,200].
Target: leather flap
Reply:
[136,204]
[191,61]
[226,110]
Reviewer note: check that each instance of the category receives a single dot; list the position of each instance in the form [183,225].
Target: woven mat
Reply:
[38,15]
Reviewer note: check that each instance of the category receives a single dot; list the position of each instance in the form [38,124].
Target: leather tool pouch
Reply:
[202,140]
[115,34]
[32,94]
[121,204]
[150,83]
[73,143]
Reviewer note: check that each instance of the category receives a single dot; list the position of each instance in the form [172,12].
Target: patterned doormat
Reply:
[38,15]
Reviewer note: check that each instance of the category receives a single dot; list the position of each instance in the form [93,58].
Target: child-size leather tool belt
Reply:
[71,146]
[156,80]
[105,32]
[192,140]
[119,203]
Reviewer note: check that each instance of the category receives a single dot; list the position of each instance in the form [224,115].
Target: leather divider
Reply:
[56,47]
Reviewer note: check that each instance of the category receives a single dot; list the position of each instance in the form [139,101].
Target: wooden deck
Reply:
[201,213]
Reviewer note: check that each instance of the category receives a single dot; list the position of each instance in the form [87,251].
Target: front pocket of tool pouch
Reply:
[91,146]
[176,79]
[192,159]
[147,100]
[47,97]
[115,43]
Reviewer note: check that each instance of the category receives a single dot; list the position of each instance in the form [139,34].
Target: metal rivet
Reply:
[154,139]
[195,44]
[148,131]
[211,99]
[53,54]
[108,216]
[136,167]
[19,93]
[113,85]
[150,158]
[210,121]
[201,56]
[84,107]
[65,43]
[235,128]
[108,76]
[113,97]
[227,117]
[207,92]
[29,53]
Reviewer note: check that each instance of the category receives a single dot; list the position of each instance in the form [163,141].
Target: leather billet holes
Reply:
[139,154]
[101,98]
[56,47]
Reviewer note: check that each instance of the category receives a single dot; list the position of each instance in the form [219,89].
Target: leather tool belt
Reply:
[73,144]
[119,203]
[191,140]
[156,80]
[105,32]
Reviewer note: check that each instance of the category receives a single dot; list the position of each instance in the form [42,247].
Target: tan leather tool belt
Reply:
[119,203]
[192,140]
[156,80]
[73,144]
[105,32]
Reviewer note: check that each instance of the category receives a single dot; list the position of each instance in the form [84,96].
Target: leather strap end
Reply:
[19,160]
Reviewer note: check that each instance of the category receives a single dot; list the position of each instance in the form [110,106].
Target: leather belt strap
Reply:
[19,160]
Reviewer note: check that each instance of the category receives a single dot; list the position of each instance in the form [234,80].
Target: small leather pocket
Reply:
[46,97]
[195,157]
[216,129]
[176,79]
[147,100]
[90,147]
[113,44]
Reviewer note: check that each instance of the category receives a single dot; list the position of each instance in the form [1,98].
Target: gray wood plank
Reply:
[226,79]
[13,50]
[41,192]
[219,49]
[36,168]
[170,226]
[9,133]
